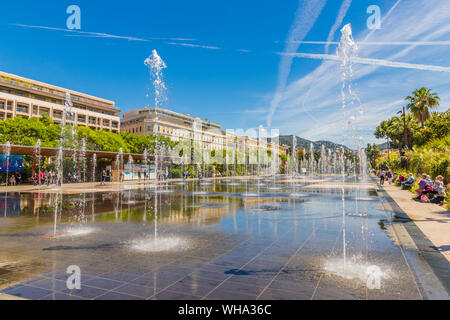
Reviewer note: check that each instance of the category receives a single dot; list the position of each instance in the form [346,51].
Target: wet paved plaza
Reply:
[235,239]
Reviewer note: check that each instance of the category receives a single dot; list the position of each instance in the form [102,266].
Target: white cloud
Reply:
[340,17]
[382,90]
[305,18]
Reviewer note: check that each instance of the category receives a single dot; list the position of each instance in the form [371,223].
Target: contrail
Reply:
[305,18]
[384,43]
[98,34]
[376,62]
[340,17]
[193,45]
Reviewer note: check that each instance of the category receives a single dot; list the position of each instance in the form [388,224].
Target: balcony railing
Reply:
[22,84]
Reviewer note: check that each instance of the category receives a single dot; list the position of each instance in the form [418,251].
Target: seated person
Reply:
[430,188]
[408,182]
[439,199]
[422,185]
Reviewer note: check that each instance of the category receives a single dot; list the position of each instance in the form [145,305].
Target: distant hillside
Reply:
[305,144]
[383,146]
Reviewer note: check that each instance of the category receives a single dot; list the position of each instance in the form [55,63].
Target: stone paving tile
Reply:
[213,268]
[117,296]
[27,292]
[275,294]
[54,285]
[61,296]
[305,287]
[329,290]
[123,277]
[102,283]
[195,286]
[150,281]
[244,288]
[136,290]
[173,295]
[210,274]
[221,294]
[85,292]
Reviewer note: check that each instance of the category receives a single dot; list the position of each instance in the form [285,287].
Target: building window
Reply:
[56,114]
[22,108]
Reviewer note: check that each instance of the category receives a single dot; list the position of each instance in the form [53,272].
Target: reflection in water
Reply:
[141,231]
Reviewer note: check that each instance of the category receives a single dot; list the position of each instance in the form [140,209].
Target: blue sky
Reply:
[224,60]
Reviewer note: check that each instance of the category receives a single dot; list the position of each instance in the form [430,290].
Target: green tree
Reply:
[393,129]
[421,102]
[373,153]
[437,127]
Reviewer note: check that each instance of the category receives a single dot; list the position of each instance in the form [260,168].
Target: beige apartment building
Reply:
[179,127]
[22,97]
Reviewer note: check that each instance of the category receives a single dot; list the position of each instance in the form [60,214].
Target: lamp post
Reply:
[403,113]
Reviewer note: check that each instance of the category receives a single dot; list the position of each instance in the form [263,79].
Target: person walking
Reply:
[382,177]
[389,176]
[103,176]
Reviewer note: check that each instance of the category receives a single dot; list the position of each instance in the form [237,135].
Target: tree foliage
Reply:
[420,103]
[436,127]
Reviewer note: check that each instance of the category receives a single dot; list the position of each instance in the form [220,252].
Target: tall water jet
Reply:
[261,149]
[83,160]
[312,160]
[156,66]
[145,155]
[94,164]
[323,159]
[294,156]
[119,164]
[346,51]
[59,167]
[7,153]
[37,155]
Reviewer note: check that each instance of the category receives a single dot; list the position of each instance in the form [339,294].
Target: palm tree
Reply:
[420,102]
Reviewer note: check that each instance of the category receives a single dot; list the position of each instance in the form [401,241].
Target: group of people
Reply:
[187,174]
[15,179]
[386,175]
[431,191]
[46,177]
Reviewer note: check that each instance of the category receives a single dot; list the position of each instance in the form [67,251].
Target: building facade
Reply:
[179,127]
[22,97]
